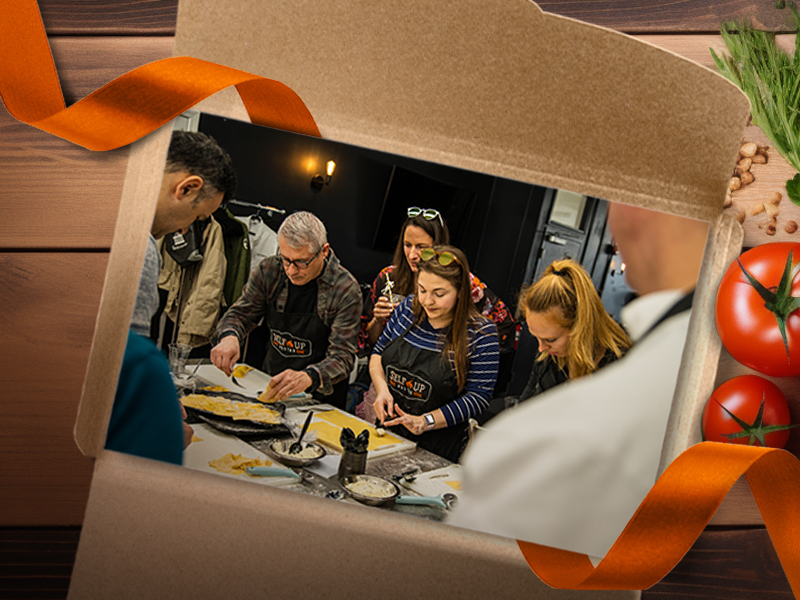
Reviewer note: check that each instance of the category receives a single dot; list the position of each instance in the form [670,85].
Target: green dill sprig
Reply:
[771,80]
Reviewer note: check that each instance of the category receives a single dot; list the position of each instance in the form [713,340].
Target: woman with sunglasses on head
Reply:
[575,333]
[424,228]
[435,364]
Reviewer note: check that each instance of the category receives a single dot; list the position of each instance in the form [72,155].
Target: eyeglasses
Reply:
[298,264]
[429,214]
[445,258]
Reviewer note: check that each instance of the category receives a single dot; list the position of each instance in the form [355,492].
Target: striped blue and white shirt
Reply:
[483,358]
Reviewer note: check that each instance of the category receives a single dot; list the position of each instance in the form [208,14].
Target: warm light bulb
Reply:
[331,167]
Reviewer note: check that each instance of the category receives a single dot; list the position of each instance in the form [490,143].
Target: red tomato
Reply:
[747,327]
[743,396]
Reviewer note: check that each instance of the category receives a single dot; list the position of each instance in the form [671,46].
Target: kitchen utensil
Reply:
[271,472]
[296,447]
[407,477]
[372,500]
[279,450]
[444,501]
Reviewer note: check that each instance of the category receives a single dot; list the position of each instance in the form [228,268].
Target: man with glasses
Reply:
[311,306]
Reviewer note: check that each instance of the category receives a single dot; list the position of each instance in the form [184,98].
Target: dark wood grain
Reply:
[56,194]
[668,16]
[49,303]
[109,17]
[37,562]
[158,17]
[726,565]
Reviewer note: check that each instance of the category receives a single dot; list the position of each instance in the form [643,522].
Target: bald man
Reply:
[570,468]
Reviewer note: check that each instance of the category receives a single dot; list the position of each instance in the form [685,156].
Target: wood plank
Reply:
[668,16]
[158,17]
[726,565]
[49,303]
[56,194]
[109,17]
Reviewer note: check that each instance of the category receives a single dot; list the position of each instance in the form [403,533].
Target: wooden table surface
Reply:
[57,216]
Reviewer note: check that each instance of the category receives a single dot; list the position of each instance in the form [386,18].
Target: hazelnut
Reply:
[790,227]
[771,209]
[747,178]
[735,184]
[771,229]
[759,159]
[740,216]
[757,209]
[728,201]
[775,198]
[748,150]
[745,164]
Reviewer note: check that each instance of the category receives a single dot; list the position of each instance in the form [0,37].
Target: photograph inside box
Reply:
[376,329]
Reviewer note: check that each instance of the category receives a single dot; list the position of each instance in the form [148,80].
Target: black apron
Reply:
[297,340]
[420,382]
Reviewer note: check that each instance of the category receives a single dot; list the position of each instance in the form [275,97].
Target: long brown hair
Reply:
[566,290]
[456,343]
[402,275]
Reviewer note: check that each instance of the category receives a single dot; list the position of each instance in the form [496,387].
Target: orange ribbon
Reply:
[684,498]
[132,105]
[677,510]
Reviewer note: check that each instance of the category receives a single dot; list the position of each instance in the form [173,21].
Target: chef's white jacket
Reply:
[569,468]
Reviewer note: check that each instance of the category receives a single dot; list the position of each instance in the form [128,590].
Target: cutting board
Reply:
[210,444]
[439,481]
[328,427]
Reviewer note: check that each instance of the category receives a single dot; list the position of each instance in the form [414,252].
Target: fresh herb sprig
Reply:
[771,80]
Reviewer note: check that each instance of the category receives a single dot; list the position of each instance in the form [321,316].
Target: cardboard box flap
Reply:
[214,537]
[501,88]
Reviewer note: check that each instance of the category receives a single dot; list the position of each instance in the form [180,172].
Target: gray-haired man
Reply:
[312,307]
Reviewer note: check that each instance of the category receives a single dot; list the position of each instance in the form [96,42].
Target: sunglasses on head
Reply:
[429,214]
[445,258]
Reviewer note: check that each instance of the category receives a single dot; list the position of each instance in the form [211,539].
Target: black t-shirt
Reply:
[302,298]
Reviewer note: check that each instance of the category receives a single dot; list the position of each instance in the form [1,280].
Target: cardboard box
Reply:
[500,88]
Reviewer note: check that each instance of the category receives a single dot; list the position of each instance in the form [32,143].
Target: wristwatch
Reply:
[429,421]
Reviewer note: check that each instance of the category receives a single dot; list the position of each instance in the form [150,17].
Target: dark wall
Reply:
[275,168]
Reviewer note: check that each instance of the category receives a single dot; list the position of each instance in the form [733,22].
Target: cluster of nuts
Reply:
[751,154]
[770,208]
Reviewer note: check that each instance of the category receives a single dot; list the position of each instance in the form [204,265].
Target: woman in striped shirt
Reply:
[435,364]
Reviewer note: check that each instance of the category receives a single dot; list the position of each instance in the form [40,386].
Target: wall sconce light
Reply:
[318,180]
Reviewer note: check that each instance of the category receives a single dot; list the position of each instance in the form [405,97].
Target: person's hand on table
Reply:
[285,384]
[384,405]
[415,424]
[188,432]
[225,354]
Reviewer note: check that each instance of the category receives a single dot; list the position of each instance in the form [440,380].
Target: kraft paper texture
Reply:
[501,88]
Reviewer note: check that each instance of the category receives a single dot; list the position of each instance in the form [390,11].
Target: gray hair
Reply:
[303,229]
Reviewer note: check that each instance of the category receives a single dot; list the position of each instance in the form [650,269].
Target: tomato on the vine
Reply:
[747,410]
[757,312]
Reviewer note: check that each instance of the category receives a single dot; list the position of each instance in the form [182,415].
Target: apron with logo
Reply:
[297,340]
[420,382]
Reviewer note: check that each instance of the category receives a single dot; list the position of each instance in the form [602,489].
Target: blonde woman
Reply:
[576,335]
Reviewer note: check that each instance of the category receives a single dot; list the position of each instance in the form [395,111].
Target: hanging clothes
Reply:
[201,294]
[237,254]
[263,240]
